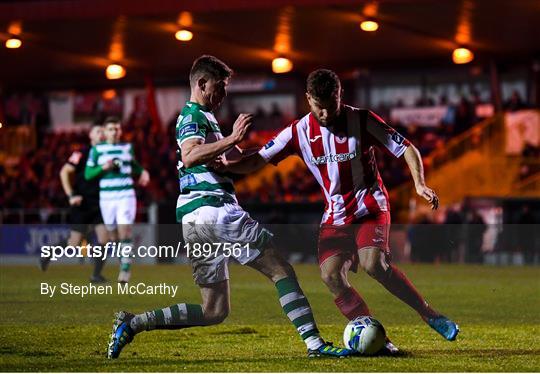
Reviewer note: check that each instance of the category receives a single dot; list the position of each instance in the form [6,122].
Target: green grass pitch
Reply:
[497,308]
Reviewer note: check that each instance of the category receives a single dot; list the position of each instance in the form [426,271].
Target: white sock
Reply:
[314,342]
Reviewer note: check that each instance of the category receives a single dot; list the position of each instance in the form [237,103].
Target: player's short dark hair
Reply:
[323,84]
[209,67]
[111,119]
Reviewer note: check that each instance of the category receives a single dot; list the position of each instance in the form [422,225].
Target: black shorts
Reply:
[83,217]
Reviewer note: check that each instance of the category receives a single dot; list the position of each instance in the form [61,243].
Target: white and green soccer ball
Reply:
[365,335]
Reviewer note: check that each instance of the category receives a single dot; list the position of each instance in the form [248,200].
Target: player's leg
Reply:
[125,217]
[108,215]
[372,236]
[291,297]
[214,309]
[93,222]
[124,240]
[210,273]
[376,263]
[294,303]
[336,254]
[372,239]
[112,233]
[102,237]
[334,274]
[237,227]
[75,238]
[109,208]
[76,234]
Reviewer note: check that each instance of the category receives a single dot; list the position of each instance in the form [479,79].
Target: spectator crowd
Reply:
[33,182]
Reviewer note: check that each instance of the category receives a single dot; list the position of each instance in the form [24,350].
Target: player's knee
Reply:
[216,315]
[274,266]
[281,269]
[333,280]
[375,266]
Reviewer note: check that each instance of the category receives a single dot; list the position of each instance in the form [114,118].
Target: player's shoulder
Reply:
[76,157]
[195,116]
[99,146]
[365,114]
[192,113]
[360,111]
[302,122]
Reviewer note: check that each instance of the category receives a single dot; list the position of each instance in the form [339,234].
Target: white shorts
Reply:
[220,228]
[120,211]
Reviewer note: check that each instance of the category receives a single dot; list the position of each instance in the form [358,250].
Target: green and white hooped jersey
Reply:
[199,185]
[116,183]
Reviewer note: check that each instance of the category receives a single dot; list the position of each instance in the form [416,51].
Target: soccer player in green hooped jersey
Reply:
[114,164]
[209,213]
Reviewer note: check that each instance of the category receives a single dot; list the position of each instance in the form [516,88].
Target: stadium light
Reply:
[281,65]
[369,25]
[184,35]
[13,42]
[1,125]
[462,55]
[115,71]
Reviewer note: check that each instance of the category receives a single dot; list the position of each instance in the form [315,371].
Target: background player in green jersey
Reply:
[210,214]
[83,198]
[114,163]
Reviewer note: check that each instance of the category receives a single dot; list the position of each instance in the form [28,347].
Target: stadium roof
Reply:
[68,42]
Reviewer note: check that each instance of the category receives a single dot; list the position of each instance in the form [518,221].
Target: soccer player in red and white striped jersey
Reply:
[337,143]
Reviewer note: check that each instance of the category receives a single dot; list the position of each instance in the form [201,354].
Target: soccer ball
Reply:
[365,335]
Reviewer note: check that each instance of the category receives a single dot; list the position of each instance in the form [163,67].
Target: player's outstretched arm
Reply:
[246,165]
[196,152]
[414,161]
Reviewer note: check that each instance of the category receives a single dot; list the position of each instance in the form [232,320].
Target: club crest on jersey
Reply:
[340,157]
[341,138]
[397,138]
[189,129]
[186,119]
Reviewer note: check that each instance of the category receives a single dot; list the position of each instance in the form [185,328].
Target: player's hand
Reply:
[109,165]
[75,200]
[241,126]
[144,178]
[219,164]
[429,195]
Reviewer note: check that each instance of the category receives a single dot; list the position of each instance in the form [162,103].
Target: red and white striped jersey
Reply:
[342,160]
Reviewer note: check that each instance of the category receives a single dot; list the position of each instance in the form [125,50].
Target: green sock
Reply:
[125,262]
[296,307]
[177,316]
